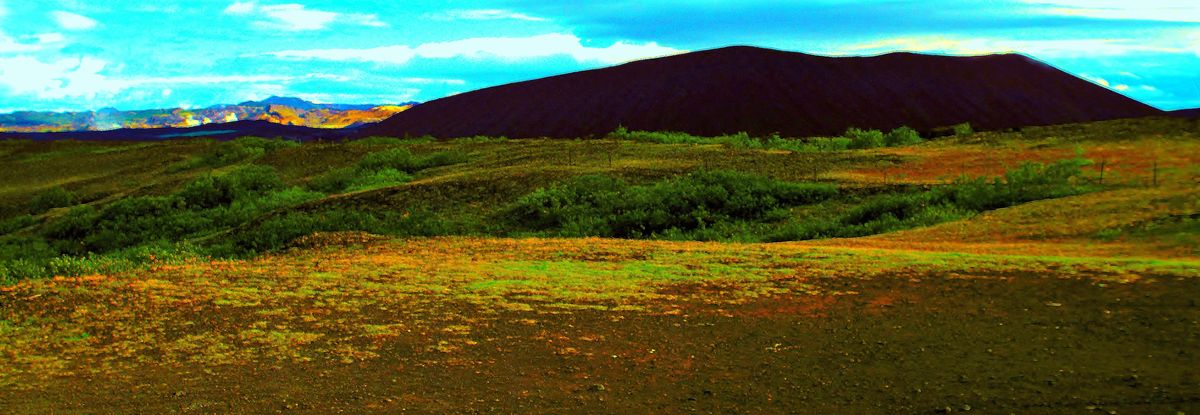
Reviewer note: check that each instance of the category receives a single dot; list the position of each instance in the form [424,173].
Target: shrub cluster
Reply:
[605,206]
[963,198]
[963,129]
[381,169]
[279,231]
[207,204]
[241,149]
[902,136]
[853,138]
[390,141]
[56,197]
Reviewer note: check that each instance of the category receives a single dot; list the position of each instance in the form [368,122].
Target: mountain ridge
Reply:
[763,91]
[279,110]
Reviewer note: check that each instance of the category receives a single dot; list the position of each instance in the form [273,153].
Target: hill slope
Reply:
[1188,113]
[761,91]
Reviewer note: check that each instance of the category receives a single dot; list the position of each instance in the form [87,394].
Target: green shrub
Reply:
[396,158]
[391,141]
[210,191]
[479,139]
[441,158]
[1026,183]
[268,145]
[963,198]
[25,247]
[16,223]
[333,181]
[604,206]
[228,153]
[56,197]
[903,136]
[963,129]
[15,270]
[820,144]
[241,149]
[382,169]
[861,139]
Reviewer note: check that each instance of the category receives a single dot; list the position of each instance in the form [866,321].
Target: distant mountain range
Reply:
[762,91]
[279,110]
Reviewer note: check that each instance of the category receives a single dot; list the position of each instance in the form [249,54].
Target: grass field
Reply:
[438,301]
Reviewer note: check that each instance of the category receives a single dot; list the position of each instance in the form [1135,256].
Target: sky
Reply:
[58,55]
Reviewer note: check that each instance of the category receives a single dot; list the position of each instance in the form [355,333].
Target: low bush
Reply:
[604,206]
[279,232]
[479,139]
[902,136]
[1026,183]
[963,198]
[56,197]
[963,129]
[208,204]
[210,191]
[381,169]
[241,149]
[862,139]
[12,270]
[390,141]
[16,223]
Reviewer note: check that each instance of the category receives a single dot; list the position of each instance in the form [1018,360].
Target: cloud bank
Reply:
[506,48]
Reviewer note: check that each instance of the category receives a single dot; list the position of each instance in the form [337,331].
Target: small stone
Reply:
[596,387]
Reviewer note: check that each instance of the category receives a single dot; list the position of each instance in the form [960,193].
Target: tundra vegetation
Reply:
[1057,265]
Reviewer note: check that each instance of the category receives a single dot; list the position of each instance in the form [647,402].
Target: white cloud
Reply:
[1194,42]
[10,45]
[506,48]
[40,41]
[1036,48]
[48,38]
[412,80]
[72,21]
[241,7]
[1144,90]
[85,78]
[484,14]
[1157,10]
[1101,81]
[395,97]
[79,77]
[297,17]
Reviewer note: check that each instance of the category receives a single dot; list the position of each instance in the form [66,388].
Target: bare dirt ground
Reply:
[459,325]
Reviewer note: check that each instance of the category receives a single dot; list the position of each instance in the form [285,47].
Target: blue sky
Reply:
[82,54]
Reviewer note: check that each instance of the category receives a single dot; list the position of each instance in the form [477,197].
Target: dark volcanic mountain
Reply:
[1188,113]
[761,91]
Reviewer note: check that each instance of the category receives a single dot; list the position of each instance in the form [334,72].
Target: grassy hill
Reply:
[1045,270]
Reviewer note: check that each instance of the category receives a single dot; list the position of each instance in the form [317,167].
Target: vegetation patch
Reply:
[605,206]
[384,168]
[963,198]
